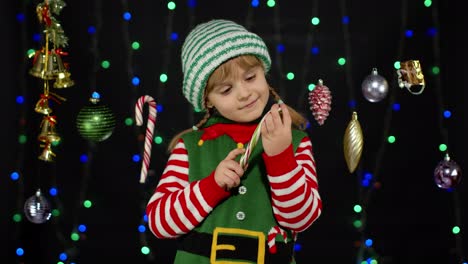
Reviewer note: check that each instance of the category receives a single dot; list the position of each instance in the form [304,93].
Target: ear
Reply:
[209,104]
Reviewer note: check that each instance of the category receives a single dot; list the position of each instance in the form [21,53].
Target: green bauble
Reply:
[95,122]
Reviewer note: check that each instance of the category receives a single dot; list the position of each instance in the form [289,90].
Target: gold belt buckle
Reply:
[236,231]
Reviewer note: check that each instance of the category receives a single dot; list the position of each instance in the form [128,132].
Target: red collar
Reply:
[238,132]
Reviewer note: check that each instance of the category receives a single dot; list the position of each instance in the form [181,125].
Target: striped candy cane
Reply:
[149,130]
[252,143]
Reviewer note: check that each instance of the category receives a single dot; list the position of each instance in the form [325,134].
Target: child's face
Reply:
[242,96]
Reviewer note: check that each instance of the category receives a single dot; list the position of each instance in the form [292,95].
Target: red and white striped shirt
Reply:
[178,206]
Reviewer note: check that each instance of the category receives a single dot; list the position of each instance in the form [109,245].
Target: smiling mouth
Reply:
[249,104]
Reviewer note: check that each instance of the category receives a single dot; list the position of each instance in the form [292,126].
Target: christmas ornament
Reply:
[95,122]
[410,75]
[149,130]
[447,173]
[37,209]
[374,87]
[353,143]
[320,102]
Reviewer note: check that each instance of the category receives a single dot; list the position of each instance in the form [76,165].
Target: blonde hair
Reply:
[224,71]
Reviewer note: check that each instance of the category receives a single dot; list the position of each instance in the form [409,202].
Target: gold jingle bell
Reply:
[48,133]
[63,80]
[54,65]
[42,106]
[47,154]
[39,68]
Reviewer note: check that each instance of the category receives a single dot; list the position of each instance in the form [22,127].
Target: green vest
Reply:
[249,207]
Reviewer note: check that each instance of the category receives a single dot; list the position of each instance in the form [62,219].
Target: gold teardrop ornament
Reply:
[353,143]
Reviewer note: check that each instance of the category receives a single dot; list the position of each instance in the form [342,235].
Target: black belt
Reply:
[246,248]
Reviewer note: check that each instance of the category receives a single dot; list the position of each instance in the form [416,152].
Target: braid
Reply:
[299,121]
[176,138]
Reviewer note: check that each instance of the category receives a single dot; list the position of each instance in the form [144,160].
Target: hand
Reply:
[276,130]
[228,173]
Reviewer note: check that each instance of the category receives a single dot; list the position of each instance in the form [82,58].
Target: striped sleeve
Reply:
[294,187]
[177,205]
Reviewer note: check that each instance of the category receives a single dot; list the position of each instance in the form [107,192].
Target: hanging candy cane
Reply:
[149,130]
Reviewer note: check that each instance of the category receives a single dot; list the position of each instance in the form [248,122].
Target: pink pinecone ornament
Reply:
[320,102]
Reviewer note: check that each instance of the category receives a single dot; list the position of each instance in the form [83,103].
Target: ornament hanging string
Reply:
[149,130]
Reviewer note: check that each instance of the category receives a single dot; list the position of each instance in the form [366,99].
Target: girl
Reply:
[220,211]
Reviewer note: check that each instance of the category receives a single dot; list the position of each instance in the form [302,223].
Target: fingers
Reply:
[277,117]
[234,153]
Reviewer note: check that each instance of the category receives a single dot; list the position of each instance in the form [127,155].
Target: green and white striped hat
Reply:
[209,45]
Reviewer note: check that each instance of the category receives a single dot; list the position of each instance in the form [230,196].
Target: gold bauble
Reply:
[353,143]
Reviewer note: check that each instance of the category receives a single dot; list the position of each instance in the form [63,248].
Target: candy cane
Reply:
[253,142]
[149,130]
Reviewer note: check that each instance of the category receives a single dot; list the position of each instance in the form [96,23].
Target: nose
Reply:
[243,92]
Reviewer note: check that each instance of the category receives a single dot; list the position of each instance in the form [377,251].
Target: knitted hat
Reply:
[209,45]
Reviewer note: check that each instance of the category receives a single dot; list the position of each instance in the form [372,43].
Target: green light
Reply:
[290,76]
[75,236]
[357,208]
[391,139]
[55,212]
[357,223]
[87,204]
[311,86]
[30,52]
[364,262]
[427,3]
[158,140]
[163,78]
[17,217]
[135,45]
[171,5]
[145,250]
[128,121]
[60,262]
[55,143]
[271,3]
[455,230]
[435,70]
[315,21]
[105,64]
[442,147]
[374,261]
[341,61]
[22,139]
[396,65]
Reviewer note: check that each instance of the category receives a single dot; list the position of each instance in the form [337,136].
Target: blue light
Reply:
[19,252]
[297,247]
[308,125]
[84,158]
[36,37]
[409,33]
[368,176]
[19,99]
[192,3]
[352,104]
[141,228]
[174,36]
[96,95]
[280,48]
[368,242]
[254,3]
[396,107]
[91,30]
[145,218]
[53,191]
[63,256]
[14,176]
[136,158]
[431,32]
[82,228]
[135,81]
[447,114]
[365,183]
[127,16]
[345,20]
[159,108]
[20,17]
[315,50]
